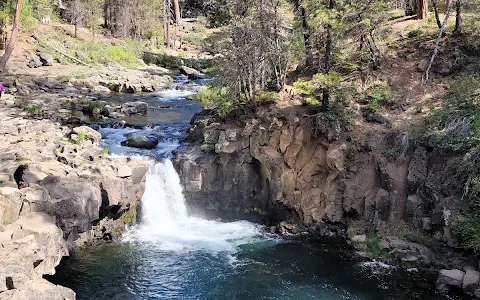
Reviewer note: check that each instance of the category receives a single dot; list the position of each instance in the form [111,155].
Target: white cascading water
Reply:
[166,225]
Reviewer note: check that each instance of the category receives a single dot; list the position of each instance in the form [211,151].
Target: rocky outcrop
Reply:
[271,166]
[75,194]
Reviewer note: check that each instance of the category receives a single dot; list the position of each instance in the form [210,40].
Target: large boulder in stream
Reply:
[141,141]
[136,107]
[190,72]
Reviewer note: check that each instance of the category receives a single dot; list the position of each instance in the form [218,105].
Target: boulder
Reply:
[190,72]
[452,277]
[137,107]
[102,89]
[93,135]
[39,289]
[141,141]
[423,65]
[360,239]
[46,59]
[470,281]
[35,62]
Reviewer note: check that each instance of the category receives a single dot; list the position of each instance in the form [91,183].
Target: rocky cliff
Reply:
[271,167]
[75,194]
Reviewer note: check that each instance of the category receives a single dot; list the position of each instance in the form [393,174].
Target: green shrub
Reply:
[414,33]
[96,105]
[467,228]
[218,98]
[267,97]
[378,95]
[81,137]
[455,129]
[374,251]
[393,153]
[33,109]
[195,39]
[208,146]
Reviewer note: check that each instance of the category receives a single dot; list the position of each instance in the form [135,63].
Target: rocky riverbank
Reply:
[75,195]
[390,196]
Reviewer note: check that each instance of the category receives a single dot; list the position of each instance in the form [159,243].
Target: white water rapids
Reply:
[166,225]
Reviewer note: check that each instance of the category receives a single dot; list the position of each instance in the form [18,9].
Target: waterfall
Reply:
[165,223]
[163,199]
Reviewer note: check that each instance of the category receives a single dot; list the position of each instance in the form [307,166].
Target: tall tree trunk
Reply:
[13,37]
[328,59]
[302,12]
[447,4]
[422,8]
[166,23]
[176,9]
[458,20]
[437,16]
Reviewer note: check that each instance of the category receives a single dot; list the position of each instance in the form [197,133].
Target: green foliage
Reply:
[467,228]
[414,33]
[130,216]
[28,20]
[312,88]
[6,222]
[266,97]
[393,153]
[455,128]
[374,251]
[378,95]
[105,151]
[63,79]
[96,106]
[81,137]
[220,99]
[422,238]
[33,109]
[194,39]
[208,146]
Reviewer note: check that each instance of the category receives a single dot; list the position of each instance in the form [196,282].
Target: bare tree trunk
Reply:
[166,24]
[437,43]
[422,8]
[328,59]
[176,8]
[437,17]
[447,4]
[13,37]
[458,20]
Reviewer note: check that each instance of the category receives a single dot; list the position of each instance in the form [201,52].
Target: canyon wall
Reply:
[271,167]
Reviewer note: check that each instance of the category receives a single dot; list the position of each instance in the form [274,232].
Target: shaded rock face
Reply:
[272,167]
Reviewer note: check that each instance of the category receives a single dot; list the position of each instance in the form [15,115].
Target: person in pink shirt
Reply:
[1,89]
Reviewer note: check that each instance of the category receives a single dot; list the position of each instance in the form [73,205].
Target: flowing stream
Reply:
[170,255]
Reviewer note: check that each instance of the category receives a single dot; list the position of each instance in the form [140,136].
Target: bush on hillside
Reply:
[219,99]
[455,128]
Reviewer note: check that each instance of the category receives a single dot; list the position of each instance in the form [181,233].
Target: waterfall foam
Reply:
[166,225]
